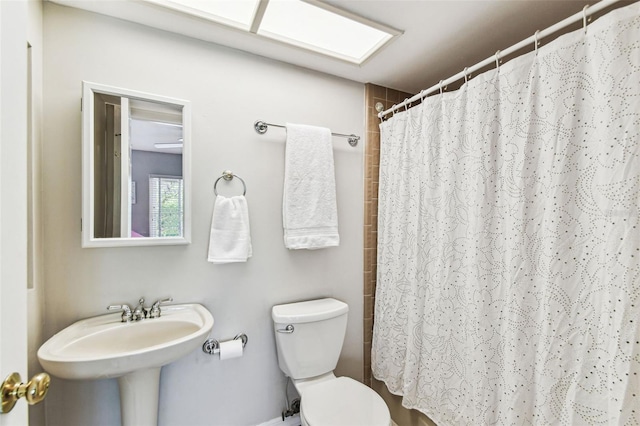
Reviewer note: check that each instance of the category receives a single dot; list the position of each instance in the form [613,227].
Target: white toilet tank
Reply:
[313,346]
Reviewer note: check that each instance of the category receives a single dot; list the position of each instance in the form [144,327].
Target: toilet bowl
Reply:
[309,337]
[342,401]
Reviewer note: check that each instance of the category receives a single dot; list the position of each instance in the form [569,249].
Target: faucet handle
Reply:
[140,312]
[155,310]
[126,311]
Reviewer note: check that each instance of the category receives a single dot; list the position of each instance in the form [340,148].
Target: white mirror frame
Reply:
[88,175]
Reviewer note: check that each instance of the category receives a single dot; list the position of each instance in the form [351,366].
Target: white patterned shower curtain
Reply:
[509,240]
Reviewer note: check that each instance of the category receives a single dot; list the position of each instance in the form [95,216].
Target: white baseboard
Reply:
[289,421]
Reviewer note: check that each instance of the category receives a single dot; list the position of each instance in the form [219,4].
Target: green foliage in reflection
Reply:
[167,204]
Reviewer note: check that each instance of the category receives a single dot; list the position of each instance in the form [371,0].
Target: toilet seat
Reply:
[343,402]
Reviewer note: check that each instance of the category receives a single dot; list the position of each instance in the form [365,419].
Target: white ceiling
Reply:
[145,135]
[440,38]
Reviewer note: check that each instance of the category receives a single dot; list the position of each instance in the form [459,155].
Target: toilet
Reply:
[309,337]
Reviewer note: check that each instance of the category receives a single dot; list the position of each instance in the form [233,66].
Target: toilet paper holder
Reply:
[212,346]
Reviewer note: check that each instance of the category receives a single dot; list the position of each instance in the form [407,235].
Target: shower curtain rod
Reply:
[583,15]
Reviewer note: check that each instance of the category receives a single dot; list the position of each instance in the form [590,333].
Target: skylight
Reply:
[308,24]
[312,27]
[234,13]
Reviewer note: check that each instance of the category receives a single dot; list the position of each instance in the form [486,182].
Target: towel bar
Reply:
[262,127]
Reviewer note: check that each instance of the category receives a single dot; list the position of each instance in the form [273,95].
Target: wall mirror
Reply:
[136,187]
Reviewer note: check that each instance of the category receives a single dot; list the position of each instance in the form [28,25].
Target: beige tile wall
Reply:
[387,97]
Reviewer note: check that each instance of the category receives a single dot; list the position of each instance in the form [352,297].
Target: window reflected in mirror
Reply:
[166,201]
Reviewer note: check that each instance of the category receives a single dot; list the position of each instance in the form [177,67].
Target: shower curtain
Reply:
[508,284]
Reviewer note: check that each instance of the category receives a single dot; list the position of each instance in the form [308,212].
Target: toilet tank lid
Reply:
[311,310]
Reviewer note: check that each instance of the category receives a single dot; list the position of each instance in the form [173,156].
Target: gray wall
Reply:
[229,90]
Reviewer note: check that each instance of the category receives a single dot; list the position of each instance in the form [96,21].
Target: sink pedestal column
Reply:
[139,392]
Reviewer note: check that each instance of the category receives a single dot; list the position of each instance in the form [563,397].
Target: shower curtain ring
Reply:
[393,110]
[498,60]
[440,84]
[465,73]
[406,104]
[584,18]
[535,43]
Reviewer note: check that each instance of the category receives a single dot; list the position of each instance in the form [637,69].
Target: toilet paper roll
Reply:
[230,349]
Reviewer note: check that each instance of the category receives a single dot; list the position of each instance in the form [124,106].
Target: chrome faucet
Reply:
[155,310]
[140,312]
[126,311]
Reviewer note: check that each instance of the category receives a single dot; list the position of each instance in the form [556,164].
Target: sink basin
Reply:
[104,346]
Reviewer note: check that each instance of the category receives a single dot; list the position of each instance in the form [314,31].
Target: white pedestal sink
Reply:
[134,352]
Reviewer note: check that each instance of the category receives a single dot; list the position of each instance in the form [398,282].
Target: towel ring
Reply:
[228,175]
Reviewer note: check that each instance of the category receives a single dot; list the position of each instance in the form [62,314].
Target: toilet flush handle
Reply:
[288,329]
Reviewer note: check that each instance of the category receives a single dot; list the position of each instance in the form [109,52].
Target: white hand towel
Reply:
[230,238]
[309,210]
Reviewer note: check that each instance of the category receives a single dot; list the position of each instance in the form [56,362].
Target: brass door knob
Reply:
[13,389]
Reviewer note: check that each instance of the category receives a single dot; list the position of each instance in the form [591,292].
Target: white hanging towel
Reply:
[230,238]
[309,210]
